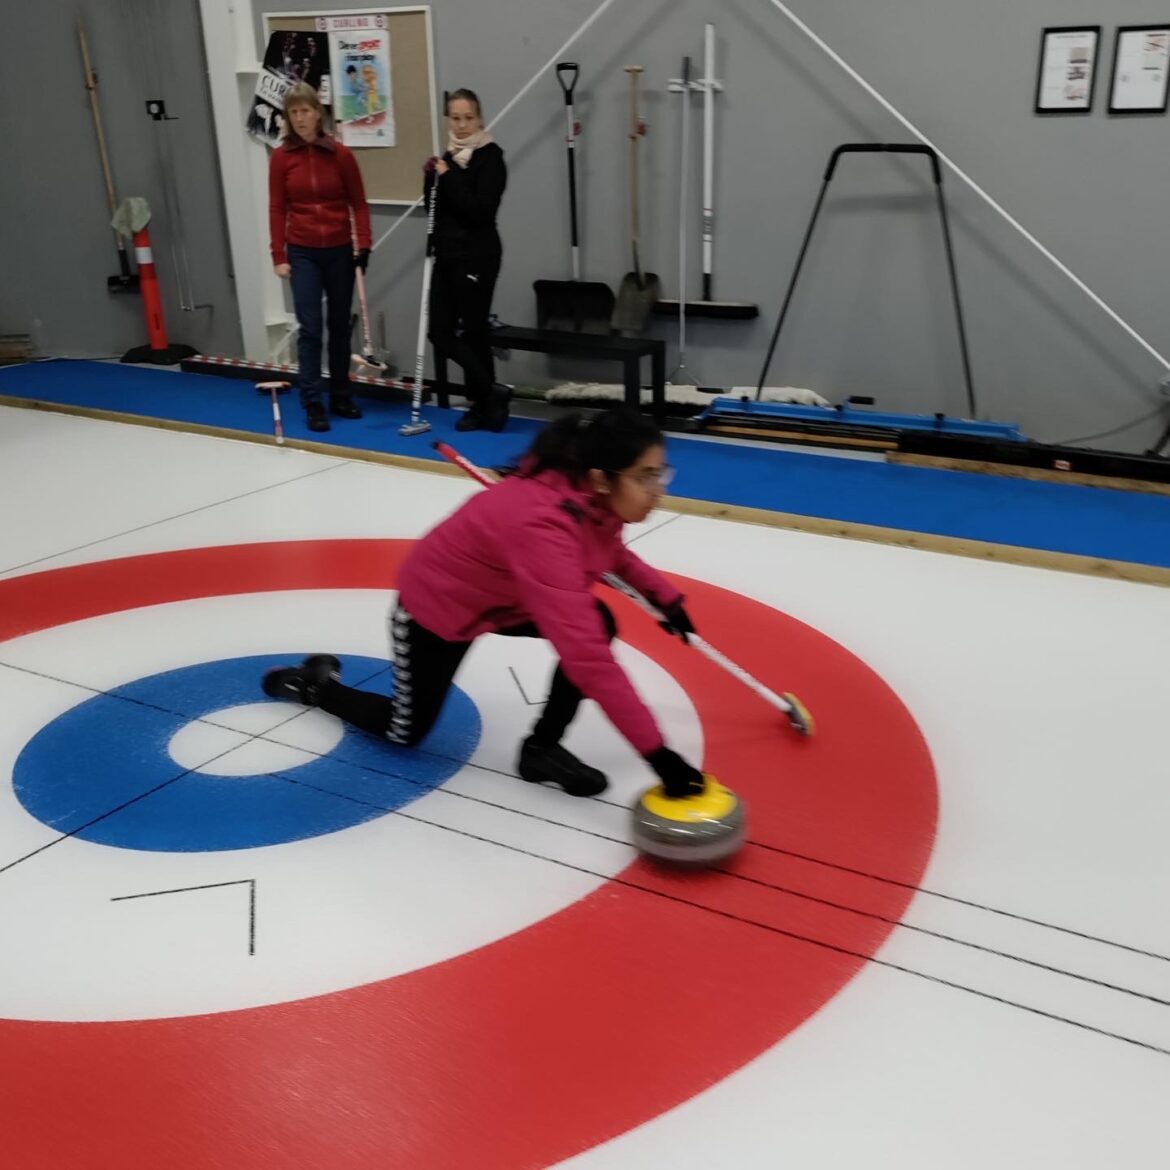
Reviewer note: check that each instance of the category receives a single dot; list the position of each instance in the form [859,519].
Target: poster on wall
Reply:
[1068,70]
[1141,66]
[289,58]
[364,105]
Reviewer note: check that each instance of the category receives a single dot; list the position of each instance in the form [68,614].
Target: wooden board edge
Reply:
[709,509]
[1038,474]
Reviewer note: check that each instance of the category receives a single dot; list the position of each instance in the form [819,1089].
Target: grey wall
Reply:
[872,313]
[57,248]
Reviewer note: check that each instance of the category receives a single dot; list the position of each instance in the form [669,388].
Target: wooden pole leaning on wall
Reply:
[124,280]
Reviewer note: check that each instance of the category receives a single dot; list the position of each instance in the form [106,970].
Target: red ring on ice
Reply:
[551,1040]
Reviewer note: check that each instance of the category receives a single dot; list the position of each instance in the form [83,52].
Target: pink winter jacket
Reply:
[529,549]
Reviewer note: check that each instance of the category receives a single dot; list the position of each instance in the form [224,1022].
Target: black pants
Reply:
[317,272]
[424,666]
[460,309]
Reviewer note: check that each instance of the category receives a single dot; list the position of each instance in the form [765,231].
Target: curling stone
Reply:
[692,830]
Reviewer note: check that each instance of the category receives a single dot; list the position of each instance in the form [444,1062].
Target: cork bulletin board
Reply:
[392,174]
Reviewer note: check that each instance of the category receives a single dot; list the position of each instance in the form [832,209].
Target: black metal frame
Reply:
[1084,28]
[1127,111]
[1156,451]
[936,174]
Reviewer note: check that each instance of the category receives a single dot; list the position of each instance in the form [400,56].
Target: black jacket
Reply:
[466,205]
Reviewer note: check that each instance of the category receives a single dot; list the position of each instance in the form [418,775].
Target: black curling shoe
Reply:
[302,684]
[471,420]
[344,406]
[495,415]
[552,764]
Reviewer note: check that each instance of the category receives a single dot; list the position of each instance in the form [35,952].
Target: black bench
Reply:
[628,350]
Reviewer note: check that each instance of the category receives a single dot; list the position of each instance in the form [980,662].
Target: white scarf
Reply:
[461,150]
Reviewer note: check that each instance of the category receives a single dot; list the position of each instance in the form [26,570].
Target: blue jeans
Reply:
[317,272]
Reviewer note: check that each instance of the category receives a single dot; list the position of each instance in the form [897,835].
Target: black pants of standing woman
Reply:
[460,309]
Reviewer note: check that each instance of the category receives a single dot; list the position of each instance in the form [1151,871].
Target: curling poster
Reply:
[363,106]
[289,58]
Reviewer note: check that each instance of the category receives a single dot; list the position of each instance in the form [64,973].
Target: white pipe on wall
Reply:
[226,29]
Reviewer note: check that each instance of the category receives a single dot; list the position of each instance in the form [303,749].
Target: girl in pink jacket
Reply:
[519,560]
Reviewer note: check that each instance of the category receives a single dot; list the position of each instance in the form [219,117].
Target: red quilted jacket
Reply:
[311,189]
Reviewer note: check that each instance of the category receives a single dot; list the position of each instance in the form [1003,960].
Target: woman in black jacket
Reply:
[471,176]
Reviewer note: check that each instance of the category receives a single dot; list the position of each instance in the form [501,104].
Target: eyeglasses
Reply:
[650,479]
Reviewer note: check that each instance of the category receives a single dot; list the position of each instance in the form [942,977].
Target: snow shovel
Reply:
[574,306]
[638,290]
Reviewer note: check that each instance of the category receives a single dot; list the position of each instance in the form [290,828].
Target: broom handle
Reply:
[635,222]
[361,291]
[567,72]
[424,307]
[682,211]
[708,158]
[91,89]
[359,281]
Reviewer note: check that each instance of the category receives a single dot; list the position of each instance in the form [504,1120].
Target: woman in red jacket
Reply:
[314,186]
[520,559]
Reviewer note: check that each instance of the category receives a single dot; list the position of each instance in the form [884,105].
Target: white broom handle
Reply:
[720,659]
[682,212]
[421,356]
[360,279]
[424,306]
[699,643]
[708,154]
[361,291]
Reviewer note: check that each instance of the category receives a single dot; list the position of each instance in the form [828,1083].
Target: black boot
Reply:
[495,415]
[302,684]
[472,419]
[551,764]
[344,406]
[315,414]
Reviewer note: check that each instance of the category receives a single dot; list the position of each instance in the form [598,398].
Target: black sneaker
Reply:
[552,764]
[344,406]
[302,684]
[315,414]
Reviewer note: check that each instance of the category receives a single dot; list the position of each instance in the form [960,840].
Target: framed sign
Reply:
[1068,70]
[1140,60]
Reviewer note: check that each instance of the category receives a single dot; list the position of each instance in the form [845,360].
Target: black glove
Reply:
[677,776]
[675,621]
[362,259]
